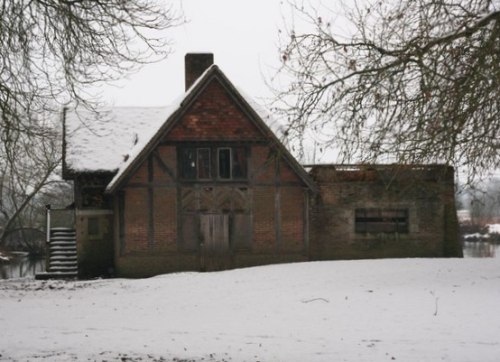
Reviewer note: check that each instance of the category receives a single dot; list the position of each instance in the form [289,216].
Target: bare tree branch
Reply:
[51,51]
[417,81]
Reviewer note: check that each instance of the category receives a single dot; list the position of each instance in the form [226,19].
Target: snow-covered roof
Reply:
[111,140]
[101,141]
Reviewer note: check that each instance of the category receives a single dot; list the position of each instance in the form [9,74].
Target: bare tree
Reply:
[51,51]
[483,201]
[27,170]
[414,81]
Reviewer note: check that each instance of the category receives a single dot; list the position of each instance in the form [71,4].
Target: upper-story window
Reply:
[199,163]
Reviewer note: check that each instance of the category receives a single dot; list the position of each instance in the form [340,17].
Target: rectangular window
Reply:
[224,161]
[196,163]
[381,220]
[239,163]
[203,163]
[188,163]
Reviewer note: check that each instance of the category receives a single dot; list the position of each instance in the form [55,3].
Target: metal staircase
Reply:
[62,260]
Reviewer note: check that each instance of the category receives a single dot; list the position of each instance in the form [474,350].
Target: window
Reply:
[381,221]
[224,163]
[203,163]
[239,163]
[230,163]
[195,163]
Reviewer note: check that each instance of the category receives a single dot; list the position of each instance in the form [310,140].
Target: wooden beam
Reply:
[306,221]
[121,221]
[138,185]
[162,165]
[151,230]
[277,206]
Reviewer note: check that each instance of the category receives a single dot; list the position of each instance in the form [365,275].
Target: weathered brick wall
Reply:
[275,205]
[214,116]
[427,197]
[136,220]
[292,220]
[264,220]
[165,219]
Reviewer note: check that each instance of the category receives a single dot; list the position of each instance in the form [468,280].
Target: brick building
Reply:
[207,184]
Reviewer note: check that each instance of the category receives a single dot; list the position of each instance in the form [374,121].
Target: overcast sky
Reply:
[242,35]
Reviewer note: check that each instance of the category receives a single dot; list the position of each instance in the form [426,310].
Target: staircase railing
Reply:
[55,218]
[58,218]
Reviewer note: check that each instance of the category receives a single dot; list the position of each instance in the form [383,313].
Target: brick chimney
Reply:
[195,64]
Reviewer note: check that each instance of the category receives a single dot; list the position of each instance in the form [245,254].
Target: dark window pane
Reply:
[93,197]
[188,163]
[203,163]
[239,163]
[224,163]
[381,221]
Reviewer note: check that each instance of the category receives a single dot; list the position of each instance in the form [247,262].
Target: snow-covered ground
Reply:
[369,310]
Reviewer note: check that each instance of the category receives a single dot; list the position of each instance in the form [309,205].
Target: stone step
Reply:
[56,275]
[60,233]
[62,237]
[63,257]
[62,246]
[62,261]
[61,228]
[63,252]
[63,268]
[62,243]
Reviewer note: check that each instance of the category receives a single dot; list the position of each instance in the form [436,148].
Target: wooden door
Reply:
[215,238]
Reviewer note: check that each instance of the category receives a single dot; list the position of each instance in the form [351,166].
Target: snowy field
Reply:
[377,310]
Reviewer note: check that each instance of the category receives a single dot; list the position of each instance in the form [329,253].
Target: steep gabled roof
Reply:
[143,136]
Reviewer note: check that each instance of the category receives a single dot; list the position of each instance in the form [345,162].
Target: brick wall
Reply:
[427,197]
[292,219]
[165,219]
[136,219]
[264,220]
[214,116]
[271,206]
[274,205]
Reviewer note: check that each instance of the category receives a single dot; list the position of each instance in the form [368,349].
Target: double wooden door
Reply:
[214,229]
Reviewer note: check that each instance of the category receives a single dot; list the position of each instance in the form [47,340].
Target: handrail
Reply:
[58,217]
[47,218]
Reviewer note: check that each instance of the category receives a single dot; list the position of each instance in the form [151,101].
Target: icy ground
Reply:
[377,310]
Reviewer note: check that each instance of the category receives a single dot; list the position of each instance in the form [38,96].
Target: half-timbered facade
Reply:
[205,184]
[210,186]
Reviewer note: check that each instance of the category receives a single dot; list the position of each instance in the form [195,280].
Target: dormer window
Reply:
[197,163]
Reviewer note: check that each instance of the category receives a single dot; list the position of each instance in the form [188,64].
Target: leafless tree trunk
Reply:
[51,52]
[27,167]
